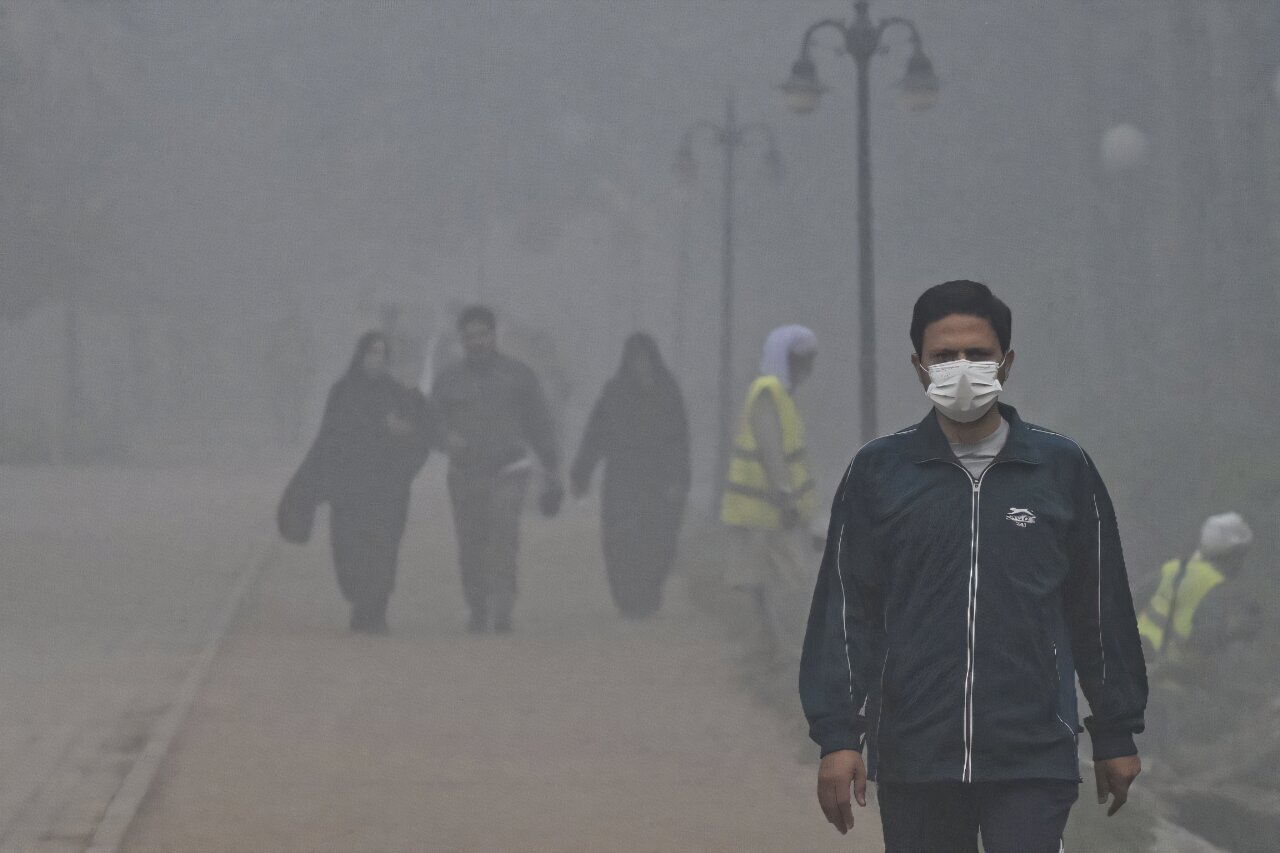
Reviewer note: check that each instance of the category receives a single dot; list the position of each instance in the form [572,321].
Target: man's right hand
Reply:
[1114,776]
[838,772]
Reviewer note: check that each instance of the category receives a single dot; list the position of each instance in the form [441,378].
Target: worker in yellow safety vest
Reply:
[770,497]
[1189,611]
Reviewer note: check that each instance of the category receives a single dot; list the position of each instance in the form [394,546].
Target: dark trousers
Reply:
[366,547]
[486,519]
[1022,816]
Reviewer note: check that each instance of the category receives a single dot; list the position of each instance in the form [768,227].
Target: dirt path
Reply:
[578,733]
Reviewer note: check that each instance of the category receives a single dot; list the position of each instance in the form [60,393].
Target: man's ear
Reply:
[921,373]
[1003,375]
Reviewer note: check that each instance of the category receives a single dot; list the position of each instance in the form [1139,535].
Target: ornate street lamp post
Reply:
[729,136]
[863,39]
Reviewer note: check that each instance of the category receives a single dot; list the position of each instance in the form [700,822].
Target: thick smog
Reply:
[667,425]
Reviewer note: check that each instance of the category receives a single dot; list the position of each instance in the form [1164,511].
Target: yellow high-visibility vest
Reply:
[749,499]
[1183,590]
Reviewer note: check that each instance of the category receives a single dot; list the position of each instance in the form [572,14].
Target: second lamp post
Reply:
[862,40]
[728,136]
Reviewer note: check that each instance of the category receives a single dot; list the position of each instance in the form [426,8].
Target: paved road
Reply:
[110,579]
[578,733]
[581,732]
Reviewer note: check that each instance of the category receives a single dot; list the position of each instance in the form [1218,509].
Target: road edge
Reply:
[135,786]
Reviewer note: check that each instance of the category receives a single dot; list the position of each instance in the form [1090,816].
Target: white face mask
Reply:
[964,390]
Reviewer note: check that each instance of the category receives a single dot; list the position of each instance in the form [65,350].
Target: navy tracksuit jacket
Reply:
[950,615]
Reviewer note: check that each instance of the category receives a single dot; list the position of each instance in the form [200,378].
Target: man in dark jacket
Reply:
[972,563]
[494,413]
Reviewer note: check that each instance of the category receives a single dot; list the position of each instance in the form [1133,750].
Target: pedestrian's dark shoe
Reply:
[502,625]
[479,623]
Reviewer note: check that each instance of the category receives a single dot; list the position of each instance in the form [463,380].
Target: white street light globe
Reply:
[1124,147]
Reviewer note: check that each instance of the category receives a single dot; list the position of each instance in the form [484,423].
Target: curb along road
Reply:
[137,783]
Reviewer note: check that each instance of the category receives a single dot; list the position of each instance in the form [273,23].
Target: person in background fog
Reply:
[493,413]
[639,429]
[1191,621]
[770,497]
[1191,610]
[373,440]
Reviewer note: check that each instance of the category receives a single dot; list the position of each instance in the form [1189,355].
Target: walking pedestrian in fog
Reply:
[973,567]
[493,414]
[639,429]
[374,438]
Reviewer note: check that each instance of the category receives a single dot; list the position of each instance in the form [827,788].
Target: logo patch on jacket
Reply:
[1021,517]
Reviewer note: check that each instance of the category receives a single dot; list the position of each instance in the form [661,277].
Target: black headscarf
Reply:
[640,428]
[642,344]
[356,367]
[359,455]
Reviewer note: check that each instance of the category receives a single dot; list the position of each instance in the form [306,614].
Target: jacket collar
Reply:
[929,443]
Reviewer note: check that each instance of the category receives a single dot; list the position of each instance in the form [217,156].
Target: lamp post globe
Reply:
[803,90]
[1123,147]
[920,84]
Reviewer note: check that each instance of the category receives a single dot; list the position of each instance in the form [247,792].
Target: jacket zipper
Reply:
[966,772]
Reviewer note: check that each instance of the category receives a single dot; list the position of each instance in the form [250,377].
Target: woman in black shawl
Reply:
[373,440]
[640,430]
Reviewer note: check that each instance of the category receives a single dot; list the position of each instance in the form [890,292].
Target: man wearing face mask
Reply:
[973,568]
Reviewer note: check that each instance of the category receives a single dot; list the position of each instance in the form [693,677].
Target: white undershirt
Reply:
[977,457]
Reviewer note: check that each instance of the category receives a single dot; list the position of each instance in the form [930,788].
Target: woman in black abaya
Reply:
[373,440]
[640,431]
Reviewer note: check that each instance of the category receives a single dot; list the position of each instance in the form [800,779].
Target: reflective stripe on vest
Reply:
[749,500]
[1182,590]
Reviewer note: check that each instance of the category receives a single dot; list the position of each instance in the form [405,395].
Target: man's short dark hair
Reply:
[477,314]
[962,296]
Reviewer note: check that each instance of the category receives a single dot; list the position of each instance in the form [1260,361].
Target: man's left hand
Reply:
[1114,776]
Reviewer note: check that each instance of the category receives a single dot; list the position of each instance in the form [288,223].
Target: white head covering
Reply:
[782,342]
[1223,533]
